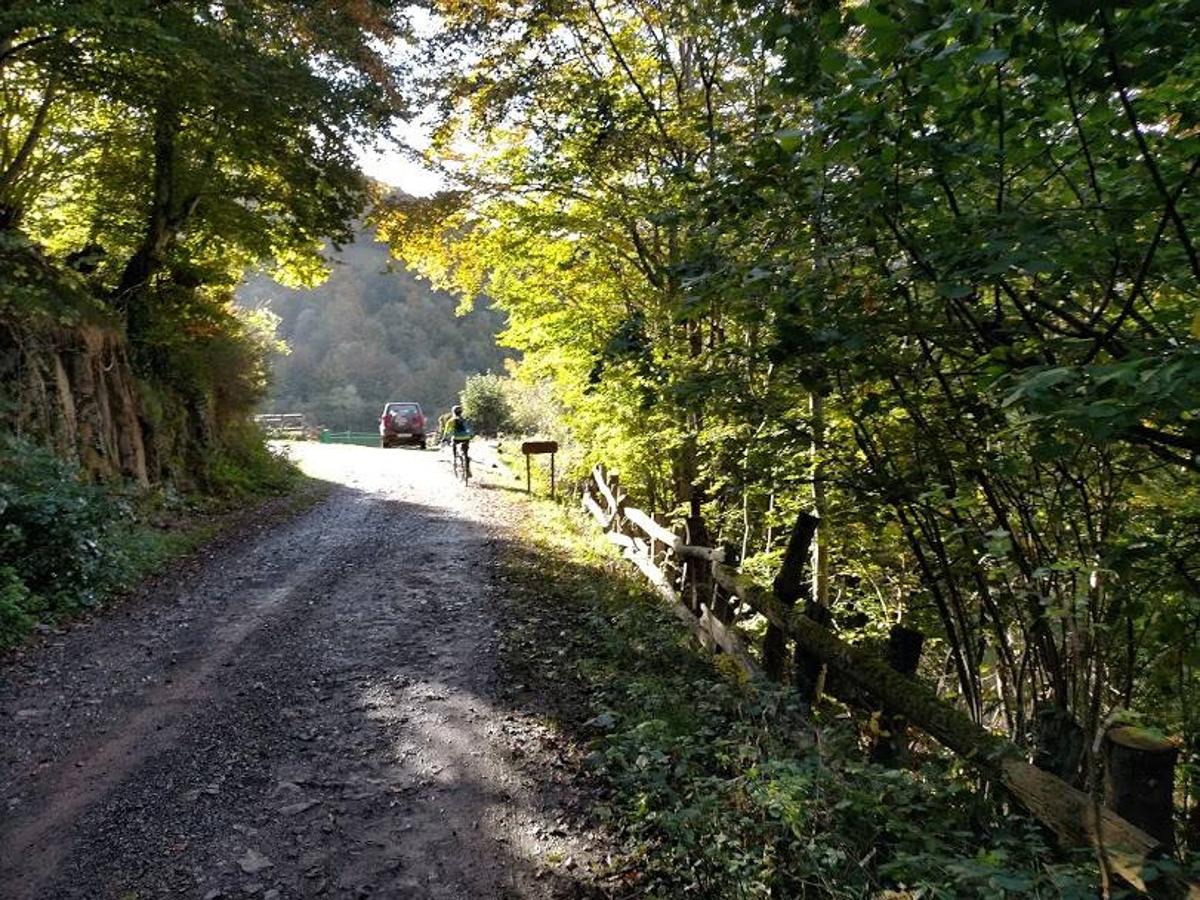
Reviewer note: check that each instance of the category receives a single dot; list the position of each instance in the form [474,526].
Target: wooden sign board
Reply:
[530,447]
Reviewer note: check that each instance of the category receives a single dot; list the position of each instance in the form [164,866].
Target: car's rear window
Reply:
[402,408]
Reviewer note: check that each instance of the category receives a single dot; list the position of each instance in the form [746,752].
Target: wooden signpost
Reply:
[530,448]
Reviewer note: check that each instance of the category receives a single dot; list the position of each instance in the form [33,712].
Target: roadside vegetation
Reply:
[68,545]
[925,270]
[720,788]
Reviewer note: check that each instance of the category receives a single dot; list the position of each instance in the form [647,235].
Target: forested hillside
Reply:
[370,333]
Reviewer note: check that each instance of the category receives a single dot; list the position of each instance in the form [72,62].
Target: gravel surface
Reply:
[312,710]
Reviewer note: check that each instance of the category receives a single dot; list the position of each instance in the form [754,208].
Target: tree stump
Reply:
[1139,780]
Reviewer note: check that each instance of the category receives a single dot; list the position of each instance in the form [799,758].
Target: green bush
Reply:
[246,467]
[52,524]
[65,544]
[18,608]
[485,403]
[55,555]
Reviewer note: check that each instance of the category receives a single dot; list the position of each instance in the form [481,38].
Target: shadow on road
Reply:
[317,712]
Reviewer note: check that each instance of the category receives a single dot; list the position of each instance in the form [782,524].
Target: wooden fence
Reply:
[708,596]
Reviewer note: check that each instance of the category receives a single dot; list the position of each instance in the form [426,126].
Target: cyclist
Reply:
[458,432]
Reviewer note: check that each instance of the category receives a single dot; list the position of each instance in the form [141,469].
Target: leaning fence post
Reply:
[790,585]
[807,668]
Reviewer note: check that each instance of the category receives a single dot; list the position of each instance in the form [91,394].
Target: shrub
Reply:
[485,403]
[245,466]
[52,523]
[53,552]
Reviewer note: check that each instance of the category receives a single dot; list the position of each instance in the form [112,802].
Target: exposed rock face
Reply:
[72,388]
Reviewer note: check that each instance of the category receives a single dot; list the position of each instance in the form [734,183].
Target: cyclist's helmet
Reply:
[457,410]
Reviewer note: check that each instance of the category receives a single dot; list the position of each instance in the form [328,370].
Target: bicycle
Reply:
[462,460]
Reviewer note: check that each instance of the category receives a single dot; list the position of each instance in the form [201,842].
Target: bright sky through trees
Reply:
[400,168]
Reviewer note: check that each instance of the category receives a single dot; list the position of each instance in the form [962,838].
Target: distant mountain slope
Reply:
[370,334]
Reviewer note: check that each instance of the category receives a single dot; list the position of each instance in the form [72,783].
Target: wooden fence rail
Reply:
[707,596]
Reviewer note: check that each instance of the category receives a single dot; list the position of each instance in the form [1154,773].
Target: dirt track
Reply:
[311,711]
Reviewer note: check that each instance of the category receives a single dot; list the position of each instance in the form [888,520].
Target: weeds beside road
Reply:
[716,788]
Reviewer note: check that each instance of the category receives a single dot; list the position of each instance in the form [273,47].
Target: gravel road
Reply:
[311,710]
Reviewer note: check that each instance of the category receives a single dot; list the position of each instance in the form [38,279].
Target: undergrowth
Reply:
[66,545]
[718,788]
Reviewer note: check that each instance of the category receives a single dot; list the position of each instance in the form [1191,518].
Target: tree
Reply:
[962,234]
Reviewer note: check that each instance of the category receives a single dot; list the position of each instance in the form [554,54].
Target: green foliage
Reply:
[535,411]
[721,789]
[52,531]
[245,468]
[18,608]
[485,403]
[928,270]
[67,545]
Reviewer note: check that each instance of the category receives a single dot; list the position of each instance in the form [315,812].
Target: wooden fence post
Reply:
[789,586]
[1139,780]
[890,747]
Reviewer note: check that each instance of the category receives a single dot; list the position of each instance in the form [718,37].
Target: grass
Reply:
[718,788]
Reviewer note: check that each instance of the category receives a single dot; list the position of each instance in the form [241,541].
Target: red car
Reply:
[402,423]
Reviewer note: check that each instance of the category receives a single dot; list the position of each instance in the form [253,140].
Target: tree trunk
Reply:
[10,208]
[162,222]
